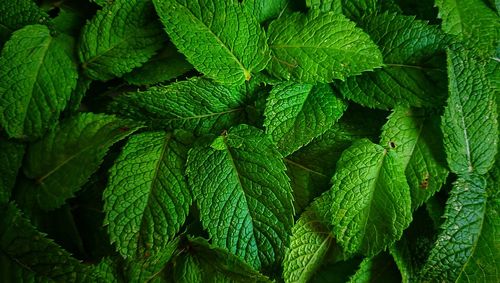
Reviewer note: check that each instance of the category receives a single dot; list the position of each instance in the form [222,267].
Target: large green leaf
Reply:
[319,47]
[147,198]
[464,221]
[220,38]
[206,263]
[265,10]
[371,199]
[410,76]
[121,37]
[198,105]
[34,92]
[243,194]
[469,123]
[297,113]
[60,163]
[32,256]
[473,22]
[415,136]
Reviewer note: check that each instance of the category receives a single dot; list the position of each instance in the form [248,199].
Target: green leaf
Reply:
[371,199]
[33,254]
[15,15]
[147,198]
[121,37]
[356,10]
[469,123]
[325,5]
[410,76]
[265,10]
[30,105]
[206,263]
[472,22]
[310,241]
[198,105]
[313,48]
[243,194]
[230,44]
[297,113]
[460,233]
[60,163]
[415,136]
[380,268]
[166,65]
[11,158]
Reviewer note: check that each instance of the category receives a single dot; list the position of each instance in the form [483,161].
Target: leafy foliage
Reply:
[249,141]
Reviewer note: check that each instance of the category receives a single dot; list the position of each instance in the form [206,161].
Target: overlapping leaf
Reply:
[147,198]
[243,194]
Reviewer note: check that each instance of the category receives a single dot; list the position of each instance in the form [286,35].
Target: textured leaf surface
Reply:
[11,158]
[243,194]
[198,105]
[61,162]
[17,14]
[319,47]
[416,138]
[473,22]
[469,123]
[121,37]
[371,199]
[325,5]
[207,263]
[297,113]
[147,198]
[380,268]
[464,220]
[166,65]
[310,241]
[410,77]
[265,10]
[230,44]
[34,253]
[355,10]
[37,76]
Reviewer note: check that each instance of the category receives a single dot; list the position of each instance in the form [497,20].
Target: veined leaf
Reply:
[415,136]
[207,263]
[230,44]
[35,256]
[459,238]
[198,105]
[265,9]
[371,199]
[380,268]
[410,76]
[15,15]
[34,92]
[243,194]
[61,162]
[147,198]
[325,5]
[310,242]
[472,22]
[469,123]
[121,37]
[11,158]
[319,47]
[297,113]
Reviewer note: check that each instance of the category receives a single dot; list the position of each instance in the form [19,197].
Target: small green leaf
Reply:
[15,15]
[265,10]
[297,113]
[147,198]
[371,199]
[122,36]
[313,48]
[244,195]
